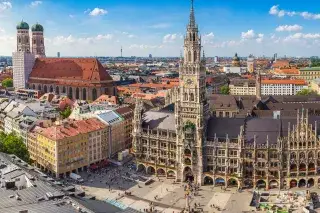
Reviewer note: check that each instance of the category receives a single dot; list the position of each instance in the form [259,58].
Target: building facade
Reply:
[315,86]
[68,147]
[251,64]
[186,143]
[309,74]
[282,87]
[243,87]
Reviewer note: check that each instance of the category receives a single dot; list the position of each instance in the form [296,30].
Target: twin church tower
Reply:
[25,54]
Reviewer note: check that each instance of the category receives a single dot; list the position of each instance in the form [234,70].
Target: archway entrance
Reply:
[273,184]
[232,182]
[293,183]
[188,175]
[310,182]
[302,183]
[208,180]
[141,168]
[161,172]
[261,184]
[151,170]
[171,174]
[220,182]
[248,183]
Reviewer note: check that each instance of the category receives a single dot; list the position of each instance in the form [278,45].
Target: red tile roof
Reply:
[107,98]
[285,81]
[71,129]
[84,71]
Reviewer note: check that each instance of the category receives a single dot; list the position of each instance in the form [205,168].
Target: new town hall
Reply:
[191,140]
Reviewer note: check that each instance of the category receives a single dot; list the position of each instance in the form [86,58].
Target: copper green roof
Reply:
[310,69]
[22,26]
[37,28]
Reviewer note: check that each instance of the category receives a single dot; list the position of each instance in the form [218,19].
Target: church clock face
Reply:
[189,81]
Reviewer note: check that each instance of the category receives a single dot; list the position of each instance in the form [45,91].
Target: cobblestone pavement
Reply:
[165,195]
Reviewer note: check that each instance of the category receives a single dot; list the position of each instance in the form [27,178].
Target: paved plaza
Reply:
[164,194]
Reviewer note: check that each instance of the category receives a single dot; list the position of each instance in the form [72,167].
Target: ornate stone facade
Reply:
[187,144]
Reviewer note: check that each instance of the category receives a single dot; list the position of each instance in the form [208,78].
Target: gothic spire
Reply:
[192,21]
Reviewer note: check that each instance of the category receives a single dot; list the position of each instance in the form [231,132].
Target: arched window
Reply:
[94,94]
[70,93]
[57,90]
[191,97]
[63,90]
[77,94]
[84,94]
[45,89]
[33,86]
[185,98]
[189,56]
[39,87]
[293,155]
[195,56]
[106,91]
[194,37]
[51,88]
[302,155]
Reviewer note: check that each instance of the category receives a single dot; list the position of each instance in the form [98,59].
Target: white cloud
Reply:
[248,35]
[260,38]
[289,28]
[160,26]
[2,30]
[169,38]
[35,3]
[208,38]
[87,11]
[71,16]
[5,5]
[62,40]
[125,33]
[131,36]
[98,12]
[274,10]
[143,46]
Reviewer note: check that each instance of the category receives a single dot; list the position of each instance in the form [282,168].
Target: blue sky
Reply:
[101,27]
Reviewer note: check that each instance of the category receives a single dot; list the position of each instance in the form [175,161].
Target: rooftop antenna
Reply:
[121,51]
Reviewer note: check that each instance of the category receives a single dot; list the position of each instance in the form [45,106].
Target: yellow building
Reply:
[66,148]
[310,73]
[315,85]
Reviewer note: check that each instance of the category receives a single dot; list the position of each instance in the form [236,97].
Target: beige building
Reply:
[315,85]
[309,74]
[185,142]
[242,87]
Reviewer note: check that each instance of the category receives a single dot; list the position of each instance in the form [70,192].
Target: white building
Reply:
[238,70]
[282,87]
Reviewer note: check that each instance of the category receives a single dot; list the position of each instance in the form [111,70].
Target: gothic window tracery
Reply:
[302,155]
[293,156]
[185,96]
[191,97]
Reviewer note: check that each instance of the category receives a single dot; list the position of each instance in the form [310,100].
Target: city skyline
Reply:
[99,28]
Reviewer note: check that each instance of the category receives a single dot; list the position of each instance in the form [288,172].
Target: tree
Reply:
[66,113]
[225,90]
[306,92]
[8,82]
[12,144]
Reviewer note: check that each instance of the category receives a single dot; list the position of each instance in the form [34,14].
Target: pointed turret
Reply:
[192,20]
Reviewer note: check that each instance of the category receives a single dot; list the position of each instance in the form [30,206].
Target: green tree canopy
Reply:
[8,82]
[306,92]
[225,90]
[12,144]
[66,113]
